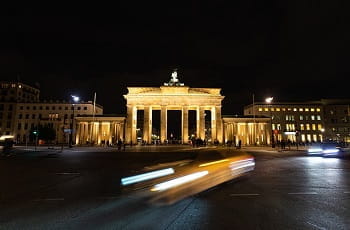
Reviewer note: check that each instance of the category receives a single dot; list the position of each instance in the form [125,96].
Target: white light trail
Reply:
[147,176]
[178,181]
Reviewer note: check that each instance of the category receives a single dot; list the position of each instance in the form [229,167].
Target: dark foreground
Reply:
[81,190]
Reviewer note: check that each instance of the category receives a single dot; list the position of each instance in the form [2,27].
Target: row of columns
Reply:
[94,132]
[248,133]
[216,123]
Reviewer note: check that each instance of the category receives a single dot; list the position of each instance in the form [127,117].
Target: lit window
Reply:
[319,127]
[279,126]
[312,110]
[295,109]
[307,126]
[313,117]
[272,109]
[306,109]
[318,109]
[318,117]
[283,109]
[278,109]
[301,117]
[313,126]
[289,109]
[302,127]
[301,109]
[260,109]
[266,109]
[273,127]
[314,137]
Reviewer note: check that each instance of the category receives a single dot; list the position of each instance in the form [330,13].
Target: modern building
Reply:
[292,121]
[310,121]
[337,119]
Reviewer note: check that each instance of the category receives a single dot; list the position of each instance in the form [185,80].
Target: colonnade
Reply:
[247,131]
[131,123]
[98,132]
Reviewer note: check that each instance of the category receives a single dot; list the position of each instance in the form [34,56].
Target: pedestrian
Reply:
[119,144]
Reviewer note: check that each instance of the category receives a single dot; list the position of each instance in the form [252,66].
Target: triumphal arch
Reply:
[173,96]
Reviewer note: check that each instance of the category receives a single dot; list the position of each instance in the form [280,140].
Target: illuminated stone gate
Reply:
[173,96]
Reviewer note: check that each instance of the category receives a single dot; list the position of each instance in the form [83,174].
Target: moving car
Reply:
[329,149]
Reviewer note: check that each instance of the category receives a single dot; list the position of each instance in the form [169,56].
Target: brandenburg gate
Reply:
[173,96]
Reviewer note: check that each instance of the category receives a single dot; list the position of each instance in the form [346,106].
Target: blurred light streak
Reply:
[178,181]
[331,151]
[212,163]
[314,150]
[243,166]
[147,176]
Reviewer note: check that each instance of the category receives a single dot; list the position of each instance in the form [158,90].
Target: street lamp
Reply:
[269,100]
[75,100]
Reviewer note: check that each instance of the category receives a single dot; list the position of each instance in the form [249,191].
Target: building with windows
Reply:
[298,122]
[21,111]
[337,119]
[311,121]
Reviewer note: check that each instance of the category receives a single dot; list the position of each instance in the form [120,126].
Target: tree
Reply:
[45,133]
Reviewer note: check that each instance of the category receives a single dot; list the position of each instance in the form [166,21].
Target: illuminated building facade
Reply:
[173,96]
[298,122]
[21,112]
[337,119]
[314,121]
[99,129]
[250,130]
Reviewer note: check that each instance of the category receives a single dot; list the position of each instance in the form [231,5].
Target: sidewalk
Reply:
[276,149]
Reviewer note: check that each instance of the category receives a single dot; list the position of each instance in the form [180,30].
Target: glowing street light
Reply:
[269,100]
[76,99]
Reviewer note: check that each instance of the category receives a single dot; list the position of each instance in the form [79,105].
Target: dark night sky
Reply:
[293,50]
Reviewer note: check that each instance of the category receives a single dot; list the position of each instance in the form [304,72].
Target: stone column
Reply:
[202,123]
[213,124]
[131,124]
[197,123]
[122,127]
[99,134]
[110,133]
[219,131]
[163,124]
[184,125]
[86,132]
[147,124]
[77,137]
[95,133]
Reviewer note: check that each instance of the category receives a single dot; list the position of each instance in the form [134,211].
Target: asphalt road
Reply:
[80,189]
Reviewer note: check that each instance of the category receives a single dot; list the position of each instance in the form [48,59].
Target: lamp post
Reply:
[76,100]
[269,100]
